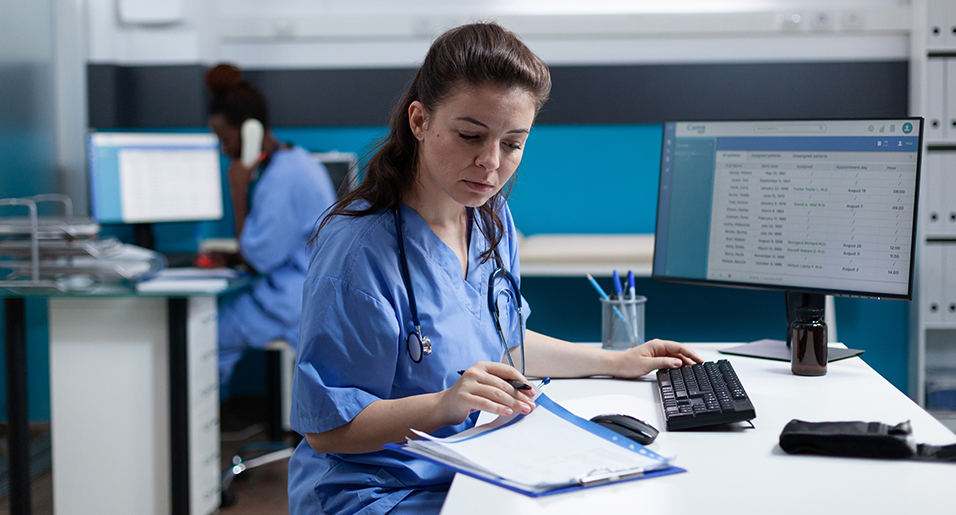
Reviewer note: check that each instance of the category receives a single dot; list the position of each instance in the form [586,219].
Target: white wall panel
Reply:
[377,33]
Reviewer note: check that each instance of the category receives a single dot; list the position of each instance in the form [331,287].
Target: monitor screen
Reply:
[823,207]
[342,168]
[154,177]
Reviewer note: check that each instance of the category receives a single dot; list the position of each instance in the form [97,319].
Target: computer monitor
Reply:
[154,177]
[342,168]
[810,207]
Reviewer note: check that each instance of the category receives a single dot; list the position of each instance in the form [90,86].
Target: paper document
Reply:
[189,280]
[548,449]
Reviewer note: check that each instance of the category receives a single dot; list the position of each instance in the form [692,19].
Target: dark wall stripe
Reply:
[653,94]
[146,96]
[174,96]
[307,98]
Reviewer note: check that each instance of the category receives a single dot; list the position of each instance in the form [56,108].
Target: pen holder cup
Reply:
[622,322]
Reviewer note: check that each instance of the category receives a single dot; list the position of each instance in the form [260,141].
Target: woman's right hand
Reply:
[484,387]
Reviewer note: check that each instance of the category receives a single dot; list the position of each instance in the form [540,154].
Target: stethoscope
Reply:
[419,345]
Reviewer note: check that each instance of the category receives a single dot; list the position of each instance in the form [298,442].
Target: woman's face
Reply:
[472,143]
[230,140]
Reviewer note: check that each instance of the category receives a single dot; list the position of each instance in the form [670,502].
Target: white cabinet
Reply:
[112,413]
[933,312]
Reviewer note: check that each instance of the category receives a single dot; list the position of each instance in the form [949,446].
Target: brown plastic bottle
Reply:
[808,343]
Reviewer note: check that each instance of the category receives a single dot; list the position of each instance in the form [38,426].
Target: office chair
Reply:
[280,365]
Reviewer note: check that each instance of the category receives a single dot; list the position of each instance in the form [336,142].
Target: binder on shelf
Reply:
[949,283]
[949,39]
[932,193]
[949,82]
[546,452]
[935,99]
[947,187]
[936,33]
[931,282]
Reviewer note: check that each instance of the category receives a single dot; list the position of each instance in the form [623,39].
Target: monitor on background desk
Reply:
[141,178]
[809,207]
[342,168]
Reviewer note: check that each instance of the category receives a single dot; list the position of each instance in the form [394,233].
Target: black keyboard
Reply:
[703,395]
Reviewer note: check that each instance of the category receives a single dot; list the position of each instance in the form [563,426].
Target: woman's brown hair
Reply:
[475,55]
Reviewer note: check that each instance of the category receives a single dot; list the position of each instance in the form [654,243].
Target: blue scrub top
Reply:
[352,350]
[290,196]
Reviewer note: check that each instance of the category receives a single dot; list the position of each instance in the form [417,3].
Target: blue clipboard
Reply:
[602,479]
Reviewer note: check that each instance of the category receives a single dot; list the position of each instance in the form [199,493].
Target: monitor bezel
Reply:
[824,291]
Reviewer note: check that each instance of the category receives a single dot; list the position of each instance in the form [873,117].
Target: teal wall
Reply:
[27,159]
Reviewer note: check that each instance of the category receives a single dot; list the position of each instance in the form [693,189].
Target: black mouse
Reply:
[626,425]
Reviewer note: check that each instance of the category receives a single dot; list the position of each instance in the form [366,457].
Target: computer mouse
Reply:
[626,425]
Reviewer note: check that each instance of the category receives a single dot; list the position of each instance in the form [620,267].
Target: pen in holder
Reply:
[622,322]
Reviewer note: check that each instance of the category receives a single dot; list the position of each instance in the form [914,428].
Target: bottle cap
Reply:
[808,312]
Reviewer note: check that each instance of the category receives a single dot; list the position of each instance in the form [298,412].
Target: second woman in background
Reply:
[276,202]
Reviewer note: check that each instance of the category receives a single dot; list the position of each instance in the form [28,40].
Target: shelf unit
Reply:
[932,375]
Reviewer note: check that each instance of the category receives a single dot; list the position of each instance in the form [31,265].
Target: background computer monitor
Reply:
[342,168]
[810,207]
[154,177]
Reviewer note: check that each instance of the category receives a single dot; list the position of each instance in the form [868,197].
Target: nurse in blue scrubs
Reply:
[276,203]
[403,264]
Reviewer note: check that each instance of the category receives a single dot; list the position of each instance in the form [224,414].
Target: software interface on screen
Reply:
[154,177]
[803,205]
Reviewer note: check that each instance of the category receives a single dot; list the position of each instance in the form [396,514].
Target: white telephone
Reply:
[251,133]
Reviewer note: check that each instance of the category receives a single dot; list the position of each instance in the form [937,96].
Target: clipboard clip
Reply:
[601,476]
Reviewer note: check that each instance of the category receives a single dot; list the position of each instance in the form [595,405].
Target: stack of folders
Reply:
[546,452]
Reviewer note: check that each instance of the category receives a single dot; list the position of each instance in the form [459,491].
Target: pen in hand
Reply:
[517,385]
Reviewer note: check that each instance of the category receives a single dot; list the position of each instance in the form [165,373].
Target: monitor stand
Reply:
[779,349]
[143,236]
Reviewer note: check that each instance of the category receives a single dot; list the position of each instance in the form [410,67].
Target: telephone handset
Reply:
[252,133]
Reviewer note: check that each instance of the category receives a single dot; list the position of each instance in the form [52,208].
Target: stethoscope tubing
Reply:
[423,342]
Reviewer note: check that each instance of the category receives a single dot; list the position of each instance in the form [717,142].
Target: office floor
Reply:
[261,491]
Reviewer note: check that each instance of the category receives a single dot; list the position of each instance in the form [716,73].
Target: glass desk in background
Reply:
[134,398]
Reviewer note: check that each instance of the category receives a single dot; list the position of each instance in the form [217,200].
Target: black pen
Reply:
[518,385]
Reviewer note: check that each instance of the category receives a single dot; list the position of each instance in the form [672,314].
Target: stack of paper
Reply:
[189,280]
[547,451]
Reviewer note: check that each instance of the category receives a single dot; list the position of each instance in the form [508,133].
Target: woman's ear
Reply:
[417,119]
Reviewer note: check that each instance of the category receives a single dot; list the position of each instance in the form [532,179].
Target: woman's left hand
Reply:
[653,355]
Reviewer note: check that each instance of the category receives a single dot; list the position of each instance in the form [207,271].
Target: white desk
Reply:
[746,471]
[573,255]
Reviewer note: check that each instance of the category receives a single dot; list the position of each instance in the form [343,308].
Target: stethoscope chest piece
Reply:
[418,346]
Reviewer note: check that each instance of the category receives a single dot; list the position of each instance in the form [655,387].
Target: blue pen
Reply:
[617,285]
[605,297]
